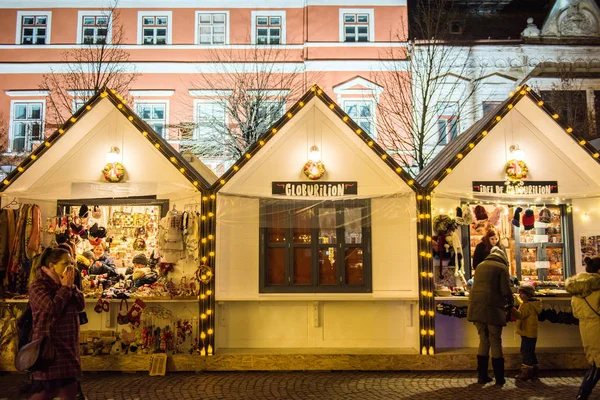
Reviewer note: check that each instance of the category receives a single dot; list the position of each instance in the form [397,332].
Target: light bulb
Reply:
[314,154]
[517,153]
[113,155]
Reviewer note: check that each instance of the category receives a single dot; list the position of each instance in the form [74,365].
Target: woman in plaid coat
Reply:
[55,303]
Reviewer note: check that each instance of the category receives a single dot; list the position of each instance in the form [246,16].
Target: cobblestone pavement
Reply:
[314,385]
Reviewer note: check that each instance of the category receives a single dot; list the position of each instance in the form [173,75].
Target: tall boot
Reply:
[482,370]
[536,370]
[498,367]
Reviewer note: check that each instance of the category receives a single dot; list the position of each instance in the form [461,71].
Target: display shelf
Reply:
[94,300]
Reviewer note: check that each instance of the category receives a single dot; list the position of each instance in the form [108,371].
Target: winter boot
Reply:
[482,370]
[535,372]
[498,367]
[525,374]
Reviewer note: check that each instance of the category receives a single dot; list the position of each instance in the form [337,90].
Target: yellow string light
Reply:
[471,145]
[157,145]
[196,183]
[428,197]
[419,197]
[301,104]
[569,130]
[6,182]
[484,133]
[290,115]
[430,274]
[145,133]
[210,237]
[448,170]
[498,117]
[383,156]
[73,119]
[582,142]
[130,118]
[435,183]
[424,332]
[428,239]
[510,106]
[173,159]
[119,106]
[345,119]
[61,131]
[431,332]
[182,170]
[274,130]
[555,116]
[88,108]
[236,168]
[358,131]
[596,155]
[212,197]
[210,214]
[261,142]
[332,106]
[222,181]
[411,182]
[370,143]
[398,170]
[20,169]
[421,236]
[540,103]
[422,312]
[248,156]
[431,313]
[33,157]
[47,144]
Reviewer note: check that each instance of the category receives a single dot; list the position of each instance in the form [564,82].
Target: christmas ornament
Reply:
[114,172]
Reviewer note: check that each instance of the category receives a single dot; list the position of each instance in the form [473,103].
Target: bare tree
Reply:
[249,90]
[5,158]
[99,62]
[422,83]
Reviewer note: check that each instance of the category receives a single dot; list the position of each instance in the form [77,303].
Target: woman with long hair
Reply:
[585,288]
[55,302]
[483,248]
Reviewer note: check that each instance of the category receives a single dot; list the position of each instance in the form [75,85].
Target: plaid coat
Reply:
[56,305]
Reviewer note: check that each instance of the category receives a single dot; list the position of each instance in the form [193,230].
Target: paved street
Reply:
[314,385]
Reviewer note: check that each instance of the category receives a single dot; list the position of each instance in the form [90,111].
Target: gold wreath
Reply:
[314,169]
[516,176]
[113,172]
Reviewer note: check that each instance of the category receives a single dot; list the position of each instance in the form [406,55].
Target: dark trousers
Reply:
[528,350]
[589,380]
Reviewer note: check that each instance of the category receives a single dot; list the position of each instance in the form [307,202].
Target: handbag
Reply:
[122,318]
[36,354]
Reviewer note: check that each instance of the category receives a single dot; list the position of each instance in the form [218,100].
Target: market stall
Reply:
[130,207]
[316,239]
[523,176]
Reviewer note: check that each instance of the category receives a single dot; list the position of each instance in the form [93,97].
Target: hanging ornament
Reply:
[114,172]
[516,171]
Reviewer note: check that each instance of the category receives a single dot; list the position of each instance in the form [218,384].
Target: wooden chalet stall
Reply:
[152,184]
[519,165]
[316,239]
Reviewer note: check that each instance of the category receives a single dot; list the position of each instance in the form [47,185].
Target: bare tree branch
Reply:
[89,67]
[435,73]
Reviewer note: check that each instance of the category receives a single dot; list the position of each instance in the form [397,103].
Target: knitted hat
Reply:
[459,216]
[495,216]
[83,211]
[528,219]
[545,215]
[140,259]
[516,221]
[467,214]
[527,289]
[480,213]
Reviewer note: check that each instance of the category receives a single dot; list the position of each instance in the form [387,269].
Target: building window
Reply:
[447,122]
[269,111]
[210,119]
[489,106]
[34,27]
[155,29]
[363,113]
[95,29]
[212,28]
[27,125]
[268,27]
[78,103]
[572,106]
[315,246]
[356,25]
[155,115]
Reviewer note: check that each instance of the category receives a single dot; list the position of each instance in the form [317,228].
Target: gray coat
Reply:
[491,291]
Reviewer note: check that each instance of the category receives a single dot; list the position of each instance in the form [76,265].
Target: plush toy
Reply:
[97,346]
[117,348]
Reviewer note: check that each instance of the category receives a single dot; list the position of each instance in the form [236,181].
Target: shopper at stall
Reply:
[489,299]
[139,261]
[54,302]
[483,248]
[104,263]
[527,327]
[585,289]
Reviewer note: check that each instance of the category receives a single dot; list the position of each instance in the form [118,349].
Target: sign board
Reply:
[315,189]
[542,264]
[528,187]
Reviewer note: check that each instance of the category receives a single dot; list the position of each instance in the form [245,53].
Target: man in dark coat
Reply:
[489,300]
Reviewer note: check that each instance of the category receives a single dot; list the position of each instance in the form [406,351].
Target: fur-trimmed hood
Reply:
[583,284]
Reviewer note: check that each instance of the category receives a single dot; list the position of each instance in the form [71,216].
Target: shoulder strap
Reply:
[589,305]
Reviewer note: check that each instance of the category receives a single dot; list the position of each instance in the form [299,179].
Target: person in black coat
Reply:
[483,248]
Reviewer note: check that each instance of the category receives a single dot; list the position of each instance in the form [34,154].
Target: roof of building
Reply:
[158,142]
[318,93]
[452,154]
[491,19]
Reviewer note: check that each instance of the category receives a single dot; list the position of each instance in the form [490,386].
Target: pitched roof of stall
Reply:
[159,143]
[452,154]
[315,92]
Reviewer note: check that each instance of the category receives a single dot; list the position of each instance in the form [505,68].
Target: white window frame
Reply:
[280,14]
[139,102]
[13,103]
[198,102]
[21,14]
[368,11]
[448,118]
[75,105]
[93,13]
[373,132]
[155,13]
[197,26]
[283,110]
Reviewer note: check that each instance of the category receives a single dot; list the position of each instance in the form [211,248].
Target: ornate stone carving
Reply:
[577,21]
[531,30]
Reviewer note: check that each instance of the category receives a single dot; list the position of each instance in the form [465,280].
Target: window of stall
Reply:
[315,246]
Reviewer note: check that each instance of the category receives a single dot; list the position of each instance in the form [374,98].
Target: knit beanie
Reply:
[480,213]
[528,219]
[140,259]
[467,214]
[516,221]
[527,289]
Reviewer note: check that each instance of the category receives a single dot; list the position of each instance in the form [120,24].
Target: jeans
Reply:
[490,337]
[528,351]
[589,380]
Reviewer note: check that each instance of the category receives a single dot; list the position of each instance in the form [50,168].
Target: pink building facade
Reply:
[341,45]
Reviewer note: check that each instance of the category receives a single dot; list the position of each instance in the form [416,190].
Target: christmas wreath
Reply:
[113,172]
[516,170]
[314,169]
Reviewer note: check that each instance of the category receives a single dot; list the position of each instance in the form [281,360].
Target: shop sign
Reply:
[525,187]
[310,189]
